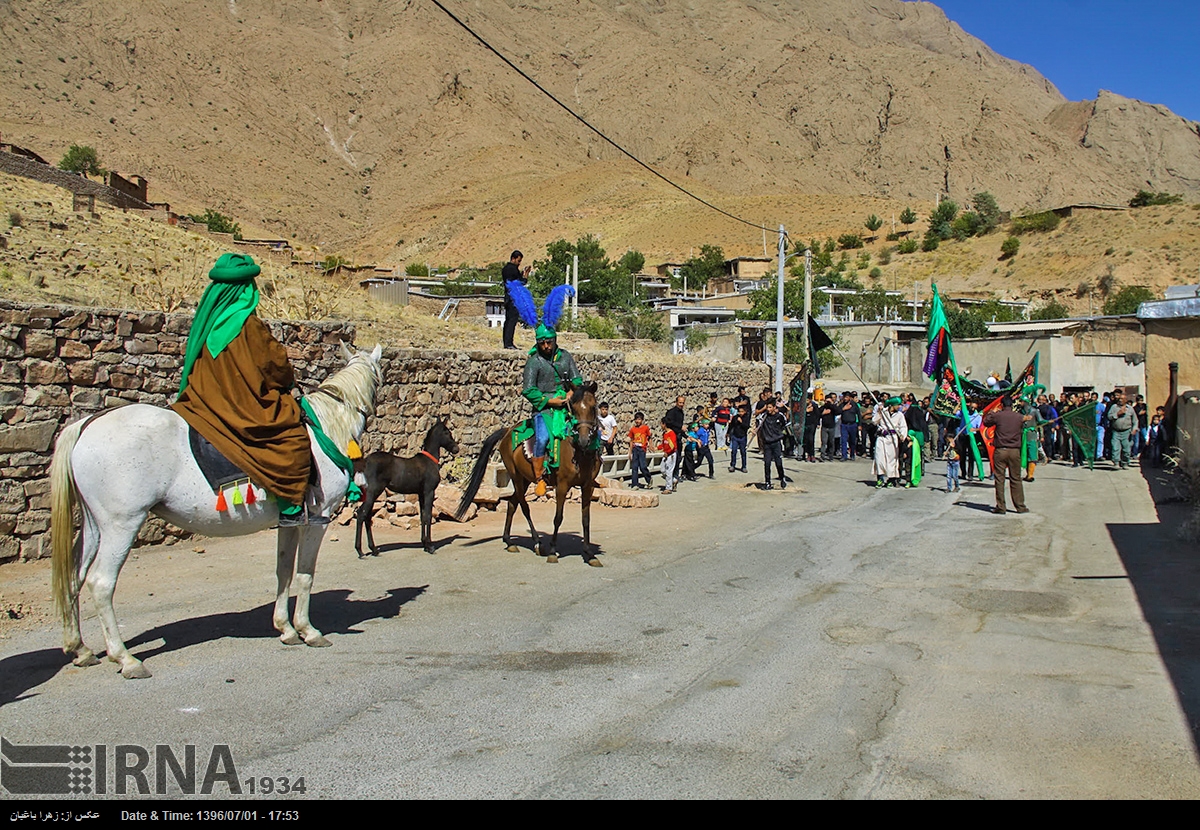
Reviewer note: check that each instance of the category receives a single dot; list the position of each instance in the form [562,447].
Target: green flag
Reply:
[1081,423]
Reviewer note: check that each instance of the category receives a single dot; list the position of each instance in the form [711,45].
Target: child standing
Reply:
[639,442]
[668,446]
[951,469]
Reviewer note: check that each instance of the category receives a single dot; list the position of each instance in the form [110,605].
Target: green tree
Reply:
[1009,247]
[600,281]
[1035,223]
[1053,310]
[848,241]
[873,223]
[1127,300]
[930,243]
[632,262]
[986,207]
[967,224]
[416,269]
[696,338]
[906,246]
[941,221]
[644,324]
[82,159]
[907,216]
[700,270]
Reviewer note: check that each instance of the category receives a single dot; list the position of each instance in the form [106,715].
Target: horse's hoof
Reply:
[290,639]
[135,671]
[318,641]
[595,563]
[512,549]
[85,657]
[431,550]
[551,558]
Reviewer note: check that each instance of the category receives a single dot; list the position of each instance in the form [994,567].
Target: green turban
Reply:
[544,332]
[893,401]
[228,301]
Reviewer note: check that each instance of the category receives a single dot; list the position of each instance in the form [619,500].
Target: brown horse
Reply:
[579,464]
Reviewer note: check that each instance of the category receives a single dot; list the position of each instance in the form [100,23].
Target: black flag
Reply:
[817,340]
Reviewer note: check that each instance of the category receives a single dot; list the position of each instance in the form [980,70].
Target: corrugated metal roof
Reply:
[1032,325]
[1169,309]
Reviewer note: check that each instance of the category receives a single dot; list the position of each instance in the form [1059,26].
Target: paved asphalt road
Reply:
[828,641]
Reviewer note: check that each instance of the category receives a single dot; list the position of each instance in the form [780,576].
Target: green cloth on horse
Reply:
[353,493]
[561,425]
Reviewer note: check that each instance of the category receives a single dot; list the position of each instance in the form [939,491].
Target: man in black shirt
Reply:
[772,429]
[674,419]
[739,427]
[512,272]
[830,428]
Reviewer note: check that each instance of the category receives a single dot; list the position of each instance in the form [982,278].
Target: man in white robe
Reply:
[891,434]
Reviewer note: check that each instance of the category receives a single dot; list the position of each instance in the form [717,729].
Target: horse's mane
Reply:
[351,394]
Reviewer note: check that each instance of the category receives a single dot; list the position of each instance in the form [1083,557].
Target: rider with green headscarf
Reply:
[549,373]
[235,388]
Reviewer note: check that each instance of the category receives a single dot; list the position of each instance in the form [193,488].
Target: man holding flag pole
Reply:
[941,355]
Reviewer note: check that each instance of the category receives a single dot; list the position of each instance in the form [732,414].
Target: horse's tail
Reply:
[485,454]
[62,522]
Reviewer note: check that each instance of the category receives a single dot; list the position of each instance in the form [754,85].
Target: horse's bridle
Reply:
[340,400]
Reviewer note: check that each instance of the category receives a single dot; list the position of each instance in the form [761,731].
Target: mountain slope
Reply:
[357,124]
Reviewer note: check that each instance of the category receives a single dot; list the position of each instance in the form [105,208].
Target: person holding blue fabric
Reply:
[550,373]
[235,388]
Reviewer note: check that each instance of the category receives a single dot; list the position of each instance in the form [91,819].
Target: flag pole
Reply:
[962,399]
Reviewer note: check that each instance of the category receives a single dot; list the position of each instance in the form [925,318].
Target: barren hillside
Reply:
[380,129]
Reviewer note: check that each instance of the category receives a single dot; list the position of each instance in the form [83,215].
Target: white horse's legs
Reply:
[102,582]
[72,637]
[310,543]
[289,540]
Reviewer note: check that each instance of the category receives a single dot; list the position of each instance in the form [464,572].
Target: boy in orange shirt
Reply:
[668,446]
[639,443]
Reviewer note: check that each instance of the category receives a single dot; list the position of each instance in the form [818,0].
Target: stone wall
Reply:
[478,391]
[19,166]
[58,364]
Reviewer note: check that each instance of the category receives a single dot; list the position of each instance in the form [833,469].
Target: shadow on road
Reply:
[1165,573]
[331,611]
[22,672]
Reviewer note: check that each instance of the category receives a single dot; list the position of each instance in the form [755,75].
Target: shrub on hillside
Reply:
[1009,247]
[930,243]
[1035,223]
[218,223]
[598,327]
[1145,198]
[907,246]
[885,256]
[850,240]
[416,269]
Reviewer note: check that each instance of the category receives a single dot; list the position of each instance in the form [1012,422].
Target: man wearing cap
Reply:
[549,373]
[235,385]
[890,436]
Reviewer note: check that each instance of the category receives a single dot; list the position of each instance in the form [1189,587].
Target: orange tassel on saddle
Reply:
[222,506]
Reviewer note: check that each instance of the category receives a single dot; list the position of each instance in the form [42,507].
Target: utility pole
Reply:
[575,297]
[807,288]
[779,314]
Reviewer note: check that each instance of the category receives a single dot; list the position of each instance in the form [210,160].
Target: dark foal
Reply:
[419,474]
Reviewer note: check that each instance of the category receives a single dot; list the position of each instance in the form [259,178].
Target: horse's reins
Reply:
[329,394]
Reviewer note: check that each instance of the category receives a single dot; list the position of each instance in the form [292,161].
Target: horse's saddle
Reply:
[218,470]
[523,438]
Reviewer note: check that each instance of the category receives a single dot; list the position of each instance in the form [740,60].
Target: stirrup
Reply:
[539,489]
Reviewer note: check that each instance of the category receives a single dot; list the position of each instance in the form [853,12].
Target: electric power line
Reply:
[585,123]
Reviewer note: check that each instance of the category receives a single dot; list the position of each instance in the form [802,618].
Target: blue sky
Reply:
[1144,50]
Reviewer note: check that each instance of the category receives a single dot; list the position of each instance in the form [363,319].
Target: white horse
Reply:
[136,460]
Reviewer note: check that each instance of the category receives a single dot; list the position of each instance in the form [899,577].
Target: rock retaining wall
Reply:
[58,364]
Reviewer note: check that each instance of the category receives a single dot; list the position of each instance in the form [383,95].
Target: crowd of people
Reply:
[900,434]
